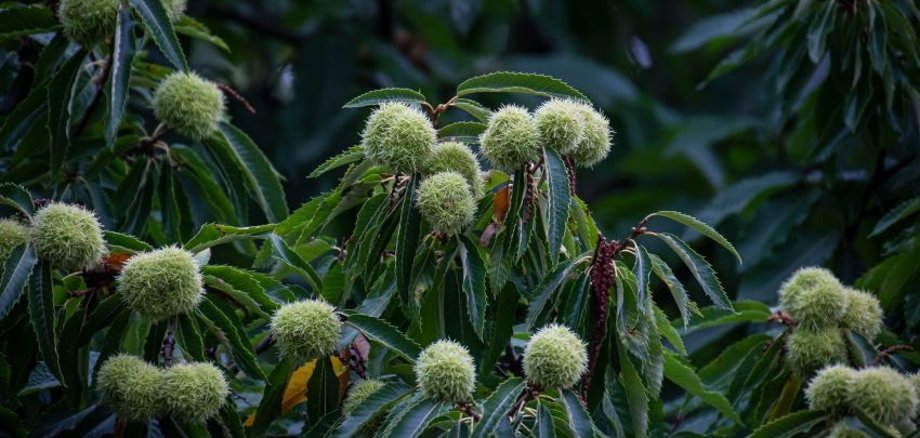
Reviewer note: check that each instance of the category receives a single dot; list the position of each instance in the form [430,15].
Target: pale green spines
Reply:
[195,392]
[445,372]
[814,298]
[561,125]
[90,21]
[359,392]
[841,430]
[456,157]
[161,283]
[555,357]
[810,350]
[175,9]
[595,143]
[863,314]
[446,202]
[306,330]
[398,137]
[12,234]
[68,236]
[132,387]
[884,394]
[829,390]
[189,105]
[511,138]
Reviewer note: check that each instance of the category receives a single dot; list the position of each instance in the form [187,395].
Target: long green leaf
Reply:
[578,419]
[545,290]
[18,197]
[345,158]
[385,334]
[474,284]
[497,405]
[376,97]
[125,242]
[789,426]
[215,234]
[375,404]
[407,240]
[17,22]
[60,92]
[560,197]
[284,254]
[116,89]
[701,228]
[260,177]
[636,395]
[322,390]
[511,82]
[684,376]
[895,215]
[465,132]
[42,315]
[416,418]
[642,269]
[700,269]
[158,25]
[236,336]
[272,396]
[16,271]
[545,426]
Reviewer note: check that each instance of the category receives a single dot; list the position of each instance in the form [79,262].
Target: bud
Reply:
[814,298]
[132,387]
[68,236]
[359,392]
[561,124]
[863,314]
[195,392]
[90,21]
[445,372]
[188,104]
[445,201]
[829,390]
[306,330]
[398,137]
[456,157]
[811,350]
[595,143]
[511,139]
[555,357]
[161,283]
[884,394]
[12,234]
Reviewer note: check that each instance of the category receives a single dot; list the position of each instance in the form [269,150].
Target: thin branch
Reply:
[890,351]
[169,344]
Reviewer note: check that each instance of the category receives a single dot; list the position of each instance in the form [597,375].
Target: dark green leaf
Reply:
[284,254]
[792,425]
[545,289]
[473,108]
[16,271]
[214,234]
[560,196]
[190,27]
[407,240]
[497,405]
[385,334]
[322,390]
[235,335]
[415,419]
[116,89]
[578,419]
[347,157]
[161,30]
[189,337]
[375,405]
[511,82]
[895,215]
[474,284]
[700,269]
[260,177]
[545,426]
[464,132]
[635,393]
[125,242]
[384,95]
[18,197]
[60,91]
[272,396]
[701,228]
[17,22]
[685,377]
[42,315]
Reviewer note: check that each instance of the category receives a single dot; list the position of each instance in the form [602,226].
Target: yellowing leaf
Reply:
[296,391]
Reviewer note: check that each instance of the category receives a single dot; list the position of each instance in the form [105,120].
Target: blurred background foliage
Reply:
[769,151]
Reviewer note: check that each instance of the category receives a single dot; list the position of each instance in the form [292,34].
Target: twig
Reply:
[265,344]
[228,90]
[469,409]
[888,352]
[170,342]
[782,318]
